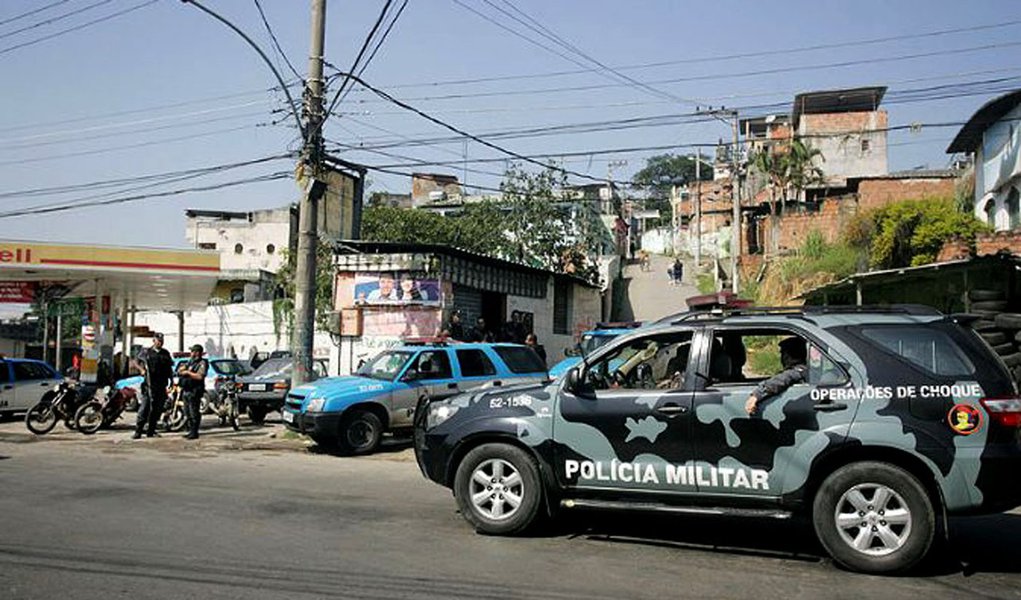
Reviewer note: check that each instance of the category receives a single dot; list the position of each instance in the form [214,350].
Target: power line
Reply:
[742,74]
[218,186]
[357,60]
[463,133]
[77,27]
[379,44]
[64,189]
[757,54]
[55,19]
[32,12]
[127,147]
[276,43]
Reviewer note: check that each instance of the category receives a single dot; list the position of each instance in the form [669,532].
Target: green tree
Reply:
[789,171]
[283,305]
[661,173]
[912,232]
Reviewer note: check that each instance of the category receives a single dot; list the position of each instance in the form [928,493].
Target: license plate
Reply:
[257,387]
[288,417]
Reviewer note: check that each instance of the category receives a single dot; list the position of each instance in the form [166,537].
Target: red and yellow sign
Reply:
[68,256]
[17,292]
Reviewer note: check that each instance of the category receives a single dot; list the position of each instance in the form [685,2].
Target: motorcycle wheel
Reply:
[89,418]
[41,419]
[176,420]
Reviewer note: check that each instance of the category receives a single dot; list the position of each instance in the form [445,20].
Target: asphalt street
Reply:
[252,516]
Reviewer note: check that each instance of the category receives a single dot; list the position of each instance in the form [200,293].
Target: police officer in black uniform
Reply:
[193,385]
[793,357]
[158,368]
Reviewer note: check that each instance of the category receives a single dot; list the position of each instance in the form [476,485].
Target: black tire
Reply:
[1012,360]
[480,463]
[910,541]
[1004,349]
[985,295]
[208,402]
[257,414]
[995,338]
[1010,321]
[176,420]
[360,432]
[41,418]
[89,417]
[993,305]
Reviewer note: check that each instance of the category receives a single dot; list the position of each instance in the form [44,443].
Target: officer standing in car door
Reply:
[193,386]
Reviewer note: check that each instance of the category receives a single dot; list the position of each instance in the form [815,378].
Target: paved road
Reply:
[650,295]
[101,518]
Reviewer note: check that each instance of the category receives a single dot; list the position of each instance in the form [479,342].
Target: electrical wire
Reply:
[55,19]
[276,43]
[77,27]
[136,198]
[32,12]
[379,44]
[354,65]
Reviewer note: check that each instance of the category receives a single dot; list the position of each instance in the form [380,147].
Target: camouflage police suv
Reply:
[892,418]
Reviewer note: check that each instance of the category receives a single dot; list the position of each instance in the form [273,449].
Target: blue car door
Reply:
[429,373]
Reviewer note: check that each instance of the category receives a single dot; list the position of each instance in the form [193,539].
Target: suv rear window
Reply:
[926,347]
[475,363]
[520,359]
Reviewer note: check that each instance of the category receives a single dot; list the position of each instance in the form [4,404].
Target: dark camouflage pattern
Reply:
[670,445]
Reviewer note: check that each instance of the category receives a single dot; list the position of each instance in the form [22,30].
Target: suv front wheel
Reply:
[497,489]
[874,517]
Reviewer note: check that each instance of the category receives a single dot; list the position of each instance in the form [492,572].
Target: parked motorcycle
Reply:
[103,410]
[173,417]
[226,404]
[59,403]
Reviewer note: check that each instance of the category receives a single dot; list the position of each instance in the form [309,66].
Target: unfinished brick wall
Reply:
[985,245]
[792,228]
[873,193]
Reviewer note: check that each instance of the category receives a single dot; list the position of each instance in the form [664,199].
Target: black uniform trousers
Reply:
[150,407]
[193,409]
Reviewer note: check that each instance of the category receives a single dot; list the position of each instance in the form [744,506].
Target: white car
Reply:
[23,382]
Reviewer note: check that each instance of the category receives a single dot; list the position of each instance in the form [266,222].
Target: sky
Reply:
[160,98]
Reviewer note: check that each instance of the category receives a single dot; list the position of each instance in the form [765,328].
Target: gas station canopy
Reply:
[143,278]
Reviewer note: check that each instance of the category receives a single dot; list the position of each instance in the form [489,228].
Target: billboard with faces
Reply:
[390,288]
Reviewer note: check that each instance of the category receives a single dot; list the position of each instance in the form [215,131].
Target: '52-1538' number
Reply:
[512,402]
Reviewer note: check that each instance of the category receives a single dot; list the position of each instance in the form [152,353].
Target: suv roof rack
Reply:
[721,312]
[429,341]
[618,325]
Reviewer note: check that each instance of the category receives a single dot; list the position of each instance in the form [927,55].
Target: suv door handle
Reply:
[46,384]
[672,409]
[829,406]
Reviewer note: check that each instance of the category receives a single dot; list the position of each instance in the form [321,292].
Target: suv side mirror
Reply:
[576,384]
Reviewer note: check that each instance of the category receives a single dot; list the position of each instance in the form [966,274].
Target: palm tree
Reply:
[801,170]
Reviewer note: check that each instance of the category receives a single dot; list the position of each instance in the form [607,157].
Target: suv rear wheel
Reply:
[874,517]
[497,489]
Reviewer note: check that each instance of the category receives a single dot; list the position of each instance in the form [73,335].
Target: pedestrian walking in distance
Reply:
[193,386]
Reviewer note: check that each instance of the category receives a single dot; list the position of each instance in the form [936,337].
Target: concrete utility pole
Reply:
[735,221]
[312,157]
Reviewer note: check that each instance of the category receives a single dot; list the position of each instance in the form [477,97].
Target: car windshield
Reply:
[230,367]
[385,366]
[590,342]
[274,367]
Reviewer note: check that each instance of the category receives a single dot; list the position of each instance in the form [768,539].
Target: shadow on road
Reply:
[986,544]
[388,445]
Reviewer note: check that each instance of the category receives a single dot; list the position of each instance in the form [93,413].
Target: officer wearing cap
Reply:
[793,356]
[157,367]
[193,385]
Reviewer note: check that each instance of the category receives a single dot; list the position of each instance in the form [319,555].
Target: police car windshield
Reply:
[590,342]
[385,366]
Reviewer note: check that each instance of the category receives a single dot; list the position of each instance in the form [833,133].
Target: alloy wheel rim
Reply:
[873,519]
[496,489]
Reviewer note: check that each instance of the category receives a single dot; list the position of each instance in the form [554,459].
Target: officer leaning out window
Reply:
[793,357]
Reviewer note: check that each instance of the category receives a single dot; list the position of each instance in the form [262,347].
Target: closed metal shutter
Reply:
[468,301]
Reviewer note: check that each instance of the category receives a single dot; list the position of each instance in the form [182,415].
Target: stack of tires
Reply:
[999,328]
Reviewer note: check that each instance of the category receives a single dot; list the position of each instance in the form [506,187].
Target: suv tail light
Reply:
[1004,411]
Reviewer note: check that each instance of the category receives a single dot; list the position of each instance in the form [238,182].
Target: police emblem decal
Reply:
[964,419]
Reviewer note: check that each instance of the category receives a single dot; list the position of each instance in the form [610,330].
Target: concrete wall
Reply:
[842,143]
[243,328]
[256,236]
